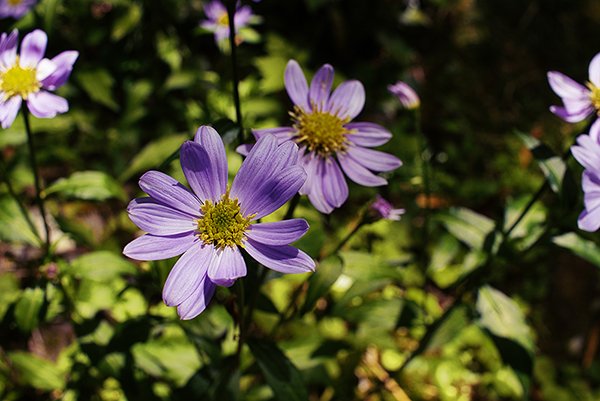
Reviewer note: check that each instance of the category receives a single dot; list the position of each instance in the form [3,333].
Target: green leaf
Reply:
[28,307]
[153,154]
[468,226]
[101,266]
[127,22]
[87,185]
[37,372]
[502,317]
[552,166]
[321,281]
[581,247]
[9,291]
[13,225]
[98,85]
[280,373]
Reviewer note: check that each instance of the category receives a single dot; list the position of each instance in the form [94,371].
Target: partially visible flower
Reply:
[29,76]
[210,224]
[328,140]
[587,152]
[15,8]
[406,95]
[385,210]
[218,19]
[579,102]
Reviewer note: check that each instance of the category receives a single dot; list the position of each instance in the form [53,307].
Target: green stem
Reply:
[38,187]
[241,322]
[423,152]
[231,8]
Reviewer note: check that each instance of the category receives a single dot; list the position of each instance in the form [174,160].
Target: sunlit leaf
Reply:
[101,266]
[552,166]
[37,372]
[581,247]
[87,185]
[154,154]
[27,309]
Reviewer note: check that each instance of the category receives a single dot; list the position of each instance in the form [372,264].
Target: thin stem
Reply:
[231,8]
[241,322]
[38,187]
[423,152]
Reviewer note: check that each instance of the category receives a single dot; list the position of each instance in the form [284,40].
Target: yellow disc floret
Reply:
[222,223]
[321,131]
[19,81]
[14,2]
[223,19]
[594,96]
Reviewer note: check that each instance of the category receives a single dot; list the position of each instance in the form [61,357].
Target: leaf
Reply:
[28,307]
[98,85]
[9,291]
[153,154]
[37,372]
[468,226]
[581,247]
[87,185]
[321,281]
[101,266]
[127,22]
[502,317]
[280,373]
[553,167]
[13,225]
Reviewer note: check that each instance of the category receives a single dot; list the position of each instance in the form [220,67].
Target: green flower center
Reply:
[222,224]
[321,131]
[594,95]
[223,20]
[19,81]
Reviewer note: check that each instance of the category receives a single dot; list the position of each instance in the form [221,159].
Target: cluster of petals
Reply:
[218,19]
[15,9]
[587,152]
[383,209]
[406,95]
[579,101]
[326,185]
[47,74]
[267,179]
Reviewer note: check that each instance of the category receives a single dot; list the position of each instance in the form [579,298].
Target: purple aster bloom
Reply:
[587,152]
[210,223]
[579,102]
[218,19]
[29,76]
[405,94]
[330,143]
[385,210]
[15,8]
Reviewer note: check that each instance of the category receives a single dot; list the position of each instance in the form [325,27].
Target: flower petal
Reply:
[347,100]
[310,163]
[158,219]
[320,86]
[8,49]
[187,274]
[9,111]
[64,65]
[374,159]
[33,48]
[44,68]
[155,247]
[44,104]
[201,172]
[367,134]
[295,85]
[196,303]
[594,70]
[170,192]
[572,116]
[566,87]
[284,259]
[595,131]
[226,266]
[587,153]
[211,141]
[281,133]
[335,188]
[278,233]
[590,183]
[358,173]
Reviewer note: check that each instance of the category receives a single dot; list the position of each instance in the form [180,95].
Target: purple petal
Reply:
[187,274]
[310,163]
[64,65]
[320,87]
[594,70]
[335,187]
[214,9]
[196,303]
[296,86]
[44,104]
[242,17]
[201,171]
[347,100]
[358,173]
[284,259]
[589,220]
[244,149]
[278,233]
[281,133]
[158,219]
[374,159]
[316,195]
[226,266]
[367,134]
[587,152]
[169,191]
[33,48]
[211,141]
[572,117]
[595,131]
[590,183]
[44,68]
[9,110]
[565,87]
[8,49]
[154,247]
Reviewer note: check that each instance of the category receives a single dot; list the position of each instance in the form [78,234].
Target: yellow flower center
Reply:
[594,95]
[222,224]
[14,2]
[223,19]
[321,131]
[19,81]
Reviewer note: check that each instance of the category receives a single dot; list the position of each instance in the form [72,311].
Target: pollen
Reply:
[321,131]
[14,2]
[19,81]
[222,223]
[594,96]
[223,19]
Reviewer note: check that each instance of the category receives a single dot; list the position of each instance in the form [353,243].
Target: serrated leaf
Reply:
[27,309]
[153,154]
[581,247]
[280,373]
[552,166]
[468,226]
[37,372]
[87,185]
[101,266]
[321,281]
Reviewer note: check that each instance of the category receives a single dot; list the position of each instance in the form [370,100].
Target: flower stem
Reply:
[424,159]
[241,322]
[231,8]
[38,187]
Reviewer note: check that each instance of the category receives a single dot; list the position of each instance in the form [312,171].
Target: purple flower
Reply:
[15,8]
[405,94]
[579,102]
[210,224]
[328,140]
[587,152]
[385,210]
[29,76]
[218,19]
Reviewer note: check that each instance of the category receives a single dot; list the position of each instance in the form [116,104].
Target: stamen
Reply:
[19,81]
[594,96]
[321,131]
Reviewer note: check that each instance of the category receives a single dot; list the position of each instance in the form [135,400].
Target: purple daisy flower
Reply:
[329,142]
[385,210]
[218,19]
[29,76]
[210,224]
[15,8]
[405,94]
[579,102]
[587,152]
